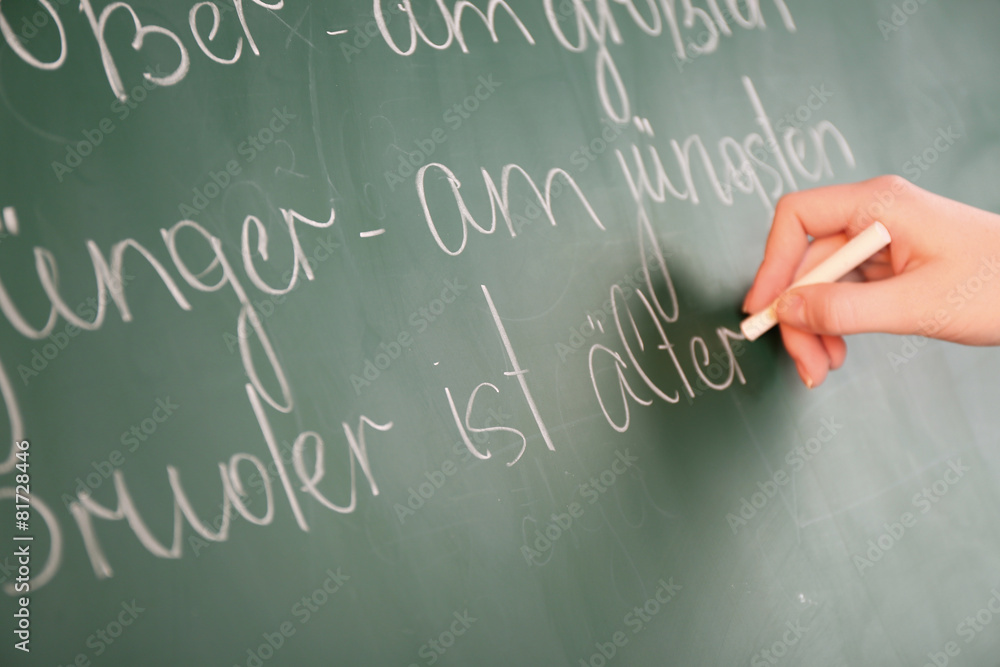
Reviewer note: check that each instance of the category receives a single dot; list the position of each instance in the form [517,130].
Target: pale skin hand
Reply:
[939,277]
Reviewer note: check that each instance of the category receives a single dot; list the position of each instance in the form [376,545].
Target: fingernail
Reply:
[791,310]
[806,378]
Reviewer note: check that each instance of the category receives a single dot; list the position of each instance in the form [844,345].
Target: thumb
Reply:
[839,309]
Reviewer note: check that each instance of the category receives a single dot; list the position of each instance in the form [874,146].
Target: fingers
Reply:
[810,226]
[809,354]
[814,318]
[818,251]
[813,361]
[877,268]
[819,213]
[836,349]
[838,309]
[815,253]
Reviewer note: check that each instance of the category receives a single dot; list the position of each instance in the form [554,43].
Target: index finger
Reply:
[818,213]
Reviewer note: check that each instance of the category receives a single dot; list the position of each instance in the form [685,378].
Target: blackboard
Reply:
[349,333]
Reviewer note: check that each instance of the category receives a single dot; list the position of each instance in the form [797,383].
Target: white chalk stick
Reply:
[832,269]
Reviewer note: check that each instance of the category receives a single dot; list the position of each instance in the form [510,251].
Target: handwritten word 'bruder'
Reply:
[217,274]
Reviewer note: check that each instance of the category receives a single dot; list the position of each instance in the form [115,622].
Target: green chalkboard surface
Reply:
[357,333]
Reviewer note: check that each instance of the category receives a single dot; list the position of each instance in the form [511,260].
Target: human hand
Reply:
[936,278]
